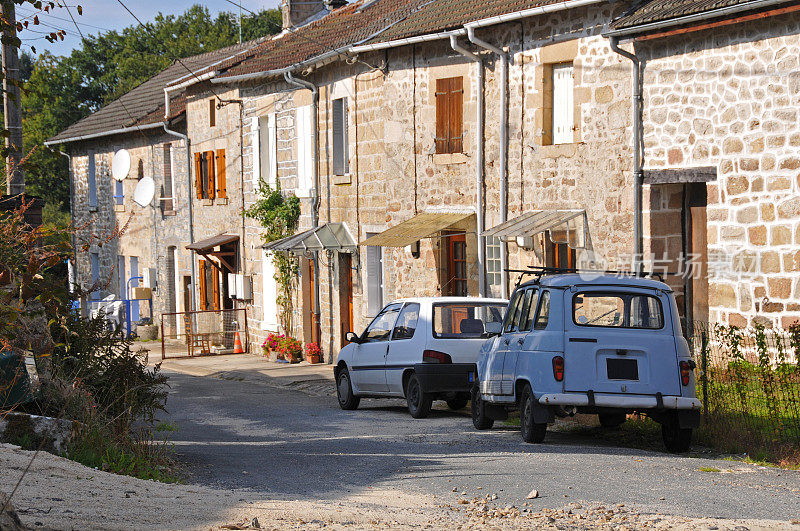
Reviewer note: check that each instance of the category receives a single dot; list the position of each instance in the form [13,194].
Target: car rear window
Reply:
[466,320]
[617,310]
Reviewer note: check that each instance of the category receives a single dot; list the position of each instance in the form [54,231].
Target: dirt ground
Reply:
[61,494]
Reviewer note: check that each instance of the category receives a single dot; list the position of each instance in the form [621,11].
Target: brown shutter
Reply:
[222,184]
[456,144]
[203,299]
[198,175]
[442,119]
[210,169]
[215,302]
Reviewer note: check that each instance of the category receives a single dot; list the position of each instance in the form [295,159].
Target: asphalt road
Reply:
[242,435]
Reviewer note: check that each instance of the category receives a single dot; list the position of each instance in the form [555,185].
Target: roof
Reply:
[214,241]
[534,222]
[328,236]
[431,300]
[566,280]
[416,228]
[144,105]
[657,11]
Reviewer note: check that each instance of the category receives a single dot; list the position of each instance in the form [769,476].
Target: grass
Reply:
[708,469]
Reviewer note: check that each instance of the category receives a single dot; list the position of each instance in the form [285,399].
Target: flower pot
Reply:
[313,358]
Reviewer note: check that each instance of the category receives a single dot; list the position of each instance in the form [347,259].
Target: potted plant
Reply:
[290,350]
[313,353]
[270,344]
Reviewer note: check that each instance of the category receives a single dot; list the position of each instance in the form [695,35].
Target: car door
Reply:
[405,347]
[369,360]
[492,381]
[516,338]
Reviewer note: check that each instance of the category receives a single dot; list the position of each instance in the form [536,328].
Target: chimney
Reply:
[295,12]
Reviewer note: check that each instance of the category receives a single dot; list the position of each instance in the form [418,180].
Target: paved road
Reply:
[245,435]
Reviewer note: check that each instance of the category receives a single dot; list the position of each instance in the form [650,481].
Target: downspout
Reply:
[188,200]
[479,173]
[71,210]
[503,147]
[638,174]
[302,83]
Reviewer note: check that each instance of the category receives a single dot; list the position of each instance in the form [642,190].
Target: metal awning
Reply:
[537,221]
[326,237]
[417,228]
[215,241]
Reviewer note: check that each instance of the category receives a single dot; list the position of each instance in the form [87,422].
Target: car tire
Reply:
[532,432]
[344,391]
[459,401]
[419,402]
[677,440]
[612,420]
[479,418]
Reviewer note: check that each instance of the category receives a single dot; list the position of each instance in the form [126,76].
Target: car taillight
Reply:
[558,368]
[686,372]
[434,356]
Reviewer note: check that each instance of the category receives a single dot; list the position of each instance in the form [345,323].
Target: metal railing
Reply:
[203,333]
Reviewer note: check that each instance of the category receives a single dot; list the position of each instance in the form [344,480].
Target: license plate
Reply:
[622,369]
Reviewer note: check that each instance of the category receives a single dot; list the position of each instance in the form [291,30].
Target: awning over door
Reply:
[326,237]
[215,241]
[421,226]
[206,247]
[570,222]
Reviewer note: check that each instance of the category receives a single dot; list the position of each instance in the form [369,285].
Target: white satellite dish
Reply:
[144,192]
[121,164]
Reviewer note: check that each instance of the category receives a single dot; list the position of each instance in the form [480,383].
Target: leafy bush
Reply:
[290,349]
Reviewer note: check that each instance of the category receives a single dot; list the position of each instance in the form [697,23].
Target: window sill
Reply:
[119,208]
[92,208]
[559,150]
[342,179]
[450,158]
[169,212]
[302,193]
[206,202]
[221,201]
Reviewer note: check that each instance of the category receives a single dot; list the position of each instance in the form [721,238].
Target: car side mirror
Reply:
[352,338]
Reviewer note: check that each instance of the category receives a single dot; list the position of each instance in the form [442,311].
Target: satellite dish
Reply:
[144,192]
[121,164]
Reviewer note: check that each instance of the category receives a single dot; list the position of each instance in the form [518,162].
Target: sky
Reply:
[102,15]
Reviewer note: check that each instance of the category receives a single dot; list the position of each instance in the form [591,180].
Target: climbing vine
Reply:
[278,215]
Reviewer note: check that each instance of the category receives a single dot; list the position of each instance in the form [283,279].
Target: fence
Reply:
[203,333]
[749,382]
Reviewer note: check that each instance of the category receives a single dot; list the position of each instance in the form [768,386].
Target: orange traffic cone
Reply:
[237,345]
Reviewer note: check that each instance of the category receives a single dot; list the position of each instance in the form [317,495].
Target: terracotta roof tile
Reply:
[662,10]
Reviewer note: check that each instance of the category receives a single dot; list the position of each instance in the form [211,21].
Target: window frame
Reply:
[168,198]
[389,307]
[91,178]
[449,112]
[416,322]
[617,293]
[473,305]
[510,317]
[544,296]
[341,148]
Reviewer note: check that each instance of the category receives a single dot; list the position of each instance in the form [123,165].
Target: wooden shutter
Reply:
[456,105]
[203,299]
[442,118]
[374,280]
[198,174]
[340,154]
[210,170]
[563,104]
[215,276]
[222,184]
[255,142]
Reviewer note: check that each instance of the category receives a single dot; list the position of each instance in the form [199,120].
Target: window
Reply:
[466,320]
[94,263]
[514,310]
[305,151]
[406,323]
[265,150]
[374,278]
[212,113]
[121,287]
[543,315]
[206,177]
[449,115]
[91,180]
[168,193]
[209,286]
[494,271]
[620,310]
[558,254]
[134,272]
[563,86]
[529,310]
[119,193]
[341,151]
[381,326]
[455,282]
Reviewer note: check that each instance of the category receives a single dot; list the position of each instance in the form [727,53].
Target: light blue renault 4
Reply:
[604,344]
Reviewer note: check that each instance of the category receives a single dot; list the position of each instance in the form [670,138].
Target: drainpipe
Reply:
[638,174]
[71,210]
[302,83]
[503,146]
[479,173]
[188,200]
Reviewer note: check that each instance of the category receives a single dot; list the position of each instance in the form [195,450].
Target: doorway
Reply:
[345,296]
[310,321]
[455,281]
[695,250]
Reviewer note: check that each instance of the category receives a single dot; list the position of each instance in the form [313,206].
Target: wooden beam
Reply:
[702,174]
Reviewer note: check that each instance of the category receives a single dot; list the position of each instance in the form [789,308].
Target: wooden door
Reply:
[310,322]
[345,296]
[456,270]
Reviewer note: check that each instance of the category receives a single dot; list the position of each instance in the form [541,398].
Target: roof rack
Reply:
[540,271]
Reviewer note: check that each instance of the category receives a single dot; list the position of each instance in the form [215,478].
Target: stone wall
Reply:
[728,98]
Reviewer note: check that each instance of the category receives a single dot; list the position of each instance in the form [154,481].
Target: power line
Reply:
[67,20]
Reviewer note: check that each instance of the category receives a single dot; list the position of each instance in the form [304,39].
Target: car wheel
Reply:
[459,401]
[419,402]
[479,418]
[611,420]
[531,431]
[677,440]
[344,391]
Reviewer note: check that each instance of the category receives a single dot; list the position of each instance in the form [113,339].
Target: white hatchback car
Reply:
[421,349]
